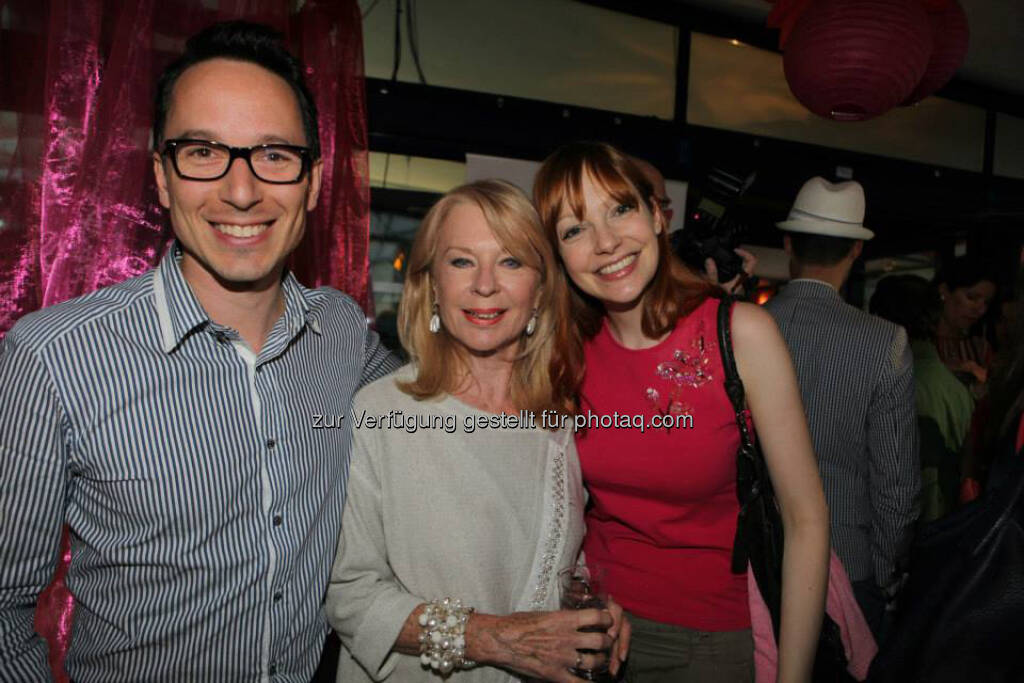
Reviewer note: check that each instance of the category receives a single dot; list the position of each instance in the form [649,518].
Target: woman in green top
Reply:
[944,404]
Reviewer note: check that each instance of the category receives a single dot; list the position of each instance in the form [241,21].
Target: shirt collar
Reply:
[298,310]
[180,313]
[812,280]
[810,288]
[177,308]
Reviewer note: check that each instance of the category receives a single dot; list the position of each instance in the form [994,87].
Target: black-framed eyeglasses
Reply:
[204,160]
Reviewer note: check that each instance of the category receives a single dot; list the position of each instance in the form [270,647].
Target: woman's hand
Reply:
[620,633]
[543,645]
[979,373]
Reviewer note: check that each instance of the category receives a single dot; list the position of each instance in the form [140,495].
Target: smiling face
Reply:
[612,252]
[964,306]
[484,294]
[236,232]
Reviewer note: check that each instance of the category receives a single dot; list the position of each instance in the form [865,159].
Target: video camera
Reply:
[712,229]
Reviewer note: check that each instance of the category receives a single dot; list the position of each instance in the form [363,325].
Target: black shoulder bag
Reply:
[963,606]
[759,536]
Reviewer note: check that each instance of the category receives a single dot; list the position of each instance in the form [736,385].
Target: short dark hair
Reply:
[910,301]
[819,250]
[241,41]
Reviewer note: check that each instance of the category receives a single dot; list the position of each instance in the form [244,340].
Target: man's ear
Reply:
[787,245]
[316,176]
[858,247]
[160,173]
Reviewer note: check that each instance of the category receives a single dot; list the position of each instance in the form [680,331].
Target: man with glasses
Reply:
[170,420]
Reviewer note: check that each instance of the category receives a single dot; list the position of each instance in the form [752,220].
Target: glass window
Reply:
[402,190]
[1009,155]
[737,87]
[391,235]
[403,172]
[552,50]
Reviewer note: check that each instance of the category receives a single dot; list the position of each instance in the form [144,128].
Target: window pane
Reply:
[741,88]
[1009,156]
[415,173]
[391,235]
[551,50]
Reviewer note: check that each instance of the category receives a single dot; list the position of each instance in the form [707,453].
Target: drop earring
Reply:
[435,321]
[531,326]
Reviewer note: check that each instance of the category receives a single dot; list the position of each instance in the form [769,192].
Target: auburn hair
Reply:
[440,360]
[674,291]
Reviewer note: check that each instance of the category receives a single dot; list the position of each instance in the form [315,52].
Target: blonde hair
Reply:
[535,383]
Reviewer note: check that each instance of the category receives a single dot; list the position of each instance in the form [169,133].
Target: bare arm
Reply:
[774,399]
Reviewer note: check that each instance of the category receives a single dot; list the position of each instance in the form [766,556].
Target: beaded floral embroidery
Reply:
[689,367]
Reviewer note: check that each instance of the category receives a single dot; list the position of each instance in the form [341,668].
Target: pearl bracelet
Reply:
[443,635]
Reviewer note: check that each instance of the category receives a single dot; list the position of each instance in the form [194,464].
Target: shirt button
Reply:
[272,669]
[271,443]
[277,597]
[277,520]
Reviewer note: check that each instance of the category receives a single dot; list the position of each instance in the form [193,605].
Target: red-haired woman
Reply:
[664,510]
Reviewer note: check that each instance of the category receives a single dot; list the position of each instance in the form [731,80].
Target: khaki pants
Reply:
[663,653]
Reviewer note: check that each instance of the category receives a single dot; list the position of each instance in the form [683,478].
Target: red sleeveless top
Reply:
[663,513]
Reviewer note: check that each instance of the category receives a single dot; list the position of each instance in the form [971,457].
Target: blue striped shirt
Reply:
[203,498]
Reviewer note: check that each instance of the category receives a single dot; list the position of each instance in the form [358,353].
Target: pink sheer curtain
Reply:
[78,205]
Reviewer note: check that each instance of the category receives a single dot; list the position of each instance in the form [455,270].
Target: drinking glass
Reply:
[583,587]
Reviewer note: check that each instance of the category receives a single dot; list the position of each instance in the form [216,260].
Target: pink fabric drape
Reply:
[840,604]
[78,205]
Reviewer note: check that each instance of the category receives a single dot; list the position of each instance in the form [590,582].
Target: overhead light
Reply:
[735,42]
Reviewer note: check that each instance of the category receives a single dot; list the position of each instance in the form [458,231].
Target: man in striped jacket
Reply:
[856,379]
[171,421]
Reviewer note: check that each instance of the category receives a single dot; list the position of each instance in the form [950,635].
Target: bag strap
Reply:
[747,486]
[733,383]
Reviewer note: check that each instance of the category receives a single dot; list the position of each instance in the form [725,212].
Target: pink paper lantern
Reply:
[851,60]
[950,35]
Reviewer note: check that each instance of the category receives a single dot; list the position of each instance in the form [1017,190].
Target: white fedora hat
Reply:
[832,209]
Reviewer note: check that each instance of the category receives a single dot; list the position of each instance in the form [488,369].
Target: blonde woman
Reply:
[454,491]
